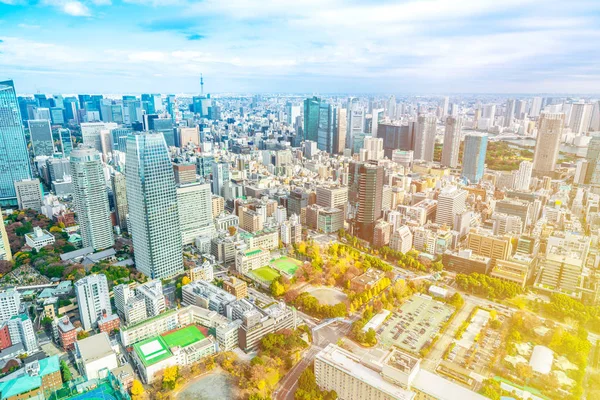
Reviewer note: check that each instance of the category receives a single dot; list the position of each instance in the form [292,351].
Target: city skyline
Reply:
[328,46]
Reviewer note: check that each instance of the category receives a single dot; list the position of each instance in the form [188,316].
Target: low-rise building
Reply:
[249,260]
[67,333]
[39,238]
[236,287]
[95,356]
[466,262]
[366,281]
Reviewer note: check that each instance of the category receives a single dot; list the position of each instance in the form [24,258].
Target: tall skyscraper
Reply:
[595,118]
[41,137]
[5,252]
[339,142]
[474,157]
[93,299]
[581,115]
[66,143]
[311,118]
[292,112]
[509,113]
[523,178]
[424,142]
[220,177]
[14,158]
[370,192]
[355,121]
[327,128]
[445,104]
[592,175]
[194,202]
[152,202]
[536,107]
[119,189]
[452,137]
[91,199]
[547,144]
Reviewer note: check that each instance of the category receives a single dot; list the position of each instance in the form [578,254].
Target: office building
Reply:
[91,199]
[29,194]
[452,136]
[14,157]
[536,107]
[474,157]
[509,113]
[10,302]
[5,252]
[547,144]
[236,287]
[523,178]
[355,122]
[21,331]
[332,196]
[184,173]
[424,137]
[401,239]
[296,204]
[41,137]
[370,191]
[66,143]
[152,202]
[119,189]
[152,293]
[91,133]
[451,202]
[580,117]
[220,177]
[248,260]
[396,137]
[311,118]
[592,175]
[339,142]
[485,244]
[194,204]
[93,299]
[465,262]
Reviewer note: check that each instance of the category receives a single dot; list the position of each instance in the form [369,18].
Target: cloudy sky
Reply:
[325,46]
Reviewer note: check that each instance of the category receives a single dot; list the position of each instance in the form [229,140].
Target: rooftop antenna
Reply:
[201,85]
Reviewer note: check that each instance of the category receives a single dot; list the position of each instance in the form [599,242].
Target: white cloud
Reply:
[76,9]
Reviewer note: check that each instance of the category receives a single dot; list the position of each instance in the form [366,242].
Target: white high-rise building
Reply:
[536,107]
[194,202]
[152,292]
[489,112]
[355,121]
[122,293]
[581,115]
[93,299]
[451,201]
[21,330]
[10,301]
[220,177]
[509,113]
[373,148]
[523,178]
[91,199]
[425,137]
[91,133]
[452,136]
[152,202]
[402,239]
[445,104]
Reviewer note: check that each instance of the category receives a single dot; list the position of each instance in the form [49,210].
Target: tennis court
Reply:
[265,274]
[286,265]
[184,336]
[102,392]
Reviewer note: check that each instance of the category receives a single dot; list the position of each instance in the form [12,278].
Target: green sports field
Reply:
[184,337]
[287,265]
[266,274]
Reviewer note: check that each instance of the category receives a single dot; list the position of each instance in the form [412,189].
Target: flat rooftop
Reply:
[152,351]
[183,337]
[94,347]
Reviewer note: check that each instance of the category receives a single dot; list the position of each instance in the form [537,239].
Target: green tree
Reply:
[65,371]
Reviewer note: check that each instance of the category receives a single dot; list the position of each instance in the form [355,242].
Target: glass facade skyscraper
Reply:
[474,157]
[14,158]
[592,175]
[65,141]
[41,137]
[153,212]
[311,118]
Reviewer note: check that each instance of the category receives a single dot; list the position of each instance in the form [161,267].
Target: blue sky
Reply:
[319,46]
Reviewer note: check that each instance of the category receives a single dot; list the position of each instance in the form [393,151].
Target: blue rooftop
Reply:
[49,365]
[19,385]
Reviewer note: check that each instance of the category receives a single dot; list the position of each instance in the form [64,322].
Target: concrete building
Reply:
[39,238]
[10,302]
[487,245]
[550,127]
[119,189]
[465,262]
[424,142]
[236,287]
[21,331]
[523,178]
[152,293]
[29,194]
[91,199]
[402,239]
[473,164]
[95,356]
[451,202]
[452,138]
[194,204]
[249,260]
[93,299]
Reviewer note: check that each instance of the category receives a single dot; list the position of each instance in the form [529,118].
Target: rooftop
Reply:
[94,347]
[17,386]
[183,337]
[440,388]
[152,350]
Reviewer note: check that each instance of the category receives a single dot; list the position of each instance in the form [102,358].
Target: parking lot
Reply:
[415,324]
